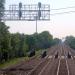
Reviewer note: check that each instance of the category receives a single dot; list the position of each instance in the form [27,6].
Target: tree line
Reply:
[18,45]
[70,40]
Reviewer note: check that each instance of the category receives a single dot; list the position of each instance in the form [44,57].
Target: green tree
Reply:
[2,3]
[15,42]
[23,48]
[46,39]
[42,40]
[56,41]
[70,40]
[30,41]
[4,40]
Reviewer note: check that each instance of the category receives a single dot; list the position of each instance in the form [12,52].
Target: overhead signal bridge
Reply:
[28,12]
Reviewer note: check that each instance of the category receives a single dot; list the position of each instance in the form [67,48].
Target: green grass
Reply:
[38,53]
[18,60]
[13,62]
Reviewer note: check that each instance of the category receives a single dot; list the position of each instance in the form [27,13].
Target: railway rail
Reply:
[57,62]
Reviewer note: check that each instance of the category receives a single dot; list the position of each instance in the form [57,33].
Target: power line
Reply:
[62,13]
[68,12]
[63,8]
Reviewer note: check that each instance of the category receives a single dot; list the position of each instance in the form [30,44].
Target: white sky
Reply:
[59,25]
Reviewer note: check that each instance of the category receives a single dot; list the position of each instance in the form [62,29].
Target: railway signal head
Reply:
[20,10]
[20,5]
[39,14]
[20,14]
[39,11]
[39,5]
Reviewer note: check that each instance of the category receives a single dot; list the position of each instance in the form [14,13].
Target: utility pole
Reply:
[39,14]
[36,24]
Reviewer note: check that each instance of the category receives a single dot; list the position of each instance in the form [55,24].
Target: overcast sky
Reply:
[59,25]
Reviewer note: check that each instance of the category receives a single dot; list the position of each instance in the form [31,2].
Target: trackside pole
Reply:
[36,24]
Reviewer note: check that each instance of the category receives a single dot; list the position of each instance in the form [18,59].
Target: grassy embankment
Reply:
[17,60]
[13,62]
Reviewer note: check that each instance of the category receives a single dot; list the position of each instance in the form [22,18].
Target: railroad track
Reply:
[62,65]
[48,66]
[23,68]
[71,61]
[39,68]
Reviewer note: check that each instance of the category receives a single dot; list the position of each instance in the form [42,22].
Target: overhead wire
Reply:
[62,13]
[63,8]
[68,12]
